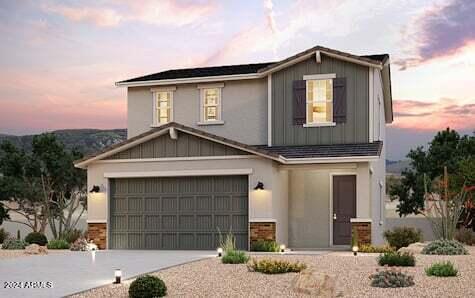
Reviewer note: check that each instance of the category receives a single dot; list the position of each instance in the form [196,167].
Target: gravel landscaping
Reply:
[210,278]
[17,253]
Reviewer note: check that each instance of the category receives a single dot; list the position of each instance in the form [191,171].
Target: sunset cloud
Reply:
[446,112]
[113,13]
[439,32]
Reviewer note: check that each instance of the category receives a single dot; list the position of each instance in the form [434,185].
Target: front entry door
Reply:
[344,207]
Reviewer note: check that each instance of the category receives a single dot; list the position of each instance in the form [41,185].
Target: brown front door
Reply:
[344,208]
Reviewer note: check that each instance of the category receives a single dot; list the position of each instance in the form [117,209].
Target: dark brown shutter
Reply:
[339,100]
[299,101]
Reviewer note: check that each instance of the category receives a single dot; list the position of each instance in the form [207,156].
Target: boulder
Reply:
[414,248]
[35,249]
[315,284]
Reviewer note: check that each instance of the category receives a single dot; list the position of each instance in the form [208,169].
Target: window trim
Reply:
[219,104]
[156,122]
[313,77]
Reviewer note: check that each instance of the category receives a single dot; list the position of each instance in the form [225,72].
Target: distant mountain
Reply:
[397,166]
[85,140]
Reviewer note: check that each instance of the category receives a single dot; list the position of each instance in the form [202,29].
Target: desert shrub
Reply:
[228,242]
[402,236]
[235,257]
[368,248]
[466,236]
[79,245]
[265,245]
[36,238]
[444,247]
[3,235]
[391,279]
[271,266]
[13,243]
[58,244]
[147,286]
[72,236]
[442,269]
[397,259]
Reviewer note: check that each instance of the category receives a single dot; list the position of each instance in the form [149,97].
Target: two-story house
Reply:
[291,151]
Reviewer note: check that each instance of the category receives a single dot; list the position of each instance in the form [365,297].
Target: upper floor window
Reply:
[319,100]
[210,104]
[163,107]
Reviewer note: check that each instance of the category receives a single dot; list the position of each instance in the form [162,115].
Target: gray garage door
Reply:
[177,212]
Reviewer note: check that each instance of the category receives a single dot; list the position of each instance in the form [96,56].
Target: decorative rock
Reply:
[414,248]
[35,249]
[315,284]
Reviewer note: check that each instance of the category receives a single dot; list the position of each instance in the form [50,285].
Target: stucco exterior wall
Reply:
[244,110]
[280,203]
[310,198]
[260,201]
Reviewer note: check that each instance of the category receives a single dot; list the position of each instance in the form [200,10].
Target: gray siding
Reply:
[178,212]
[356,128]
[185,145]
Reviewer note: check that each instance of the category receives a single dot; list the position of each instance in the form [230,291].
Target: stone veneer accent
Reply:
[262,231]
[364,232]
[97,232]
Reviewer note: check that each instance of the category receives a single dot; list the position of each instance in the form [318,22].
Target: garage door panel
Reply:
[186,203]
[178,212]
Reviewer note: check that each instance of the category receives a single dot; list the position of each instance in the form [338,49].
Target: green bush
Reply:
[265,245]
[234,257]
[397,259]
[72,235]
[147,286]
[444,247]
[36,238]
[391,279]
[12,243]
[402,236]
[271,266]
[3,235]
[442,269]
[466,236]
[58,244]
[368,248]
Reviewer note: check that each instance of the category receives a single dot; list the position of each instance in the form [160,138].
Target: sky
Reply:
[59,59]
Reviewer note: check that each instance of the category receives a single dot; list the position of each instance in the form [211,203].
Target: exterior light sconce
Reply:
[220,252]
[95,189]
[355,250]
[117,275]
[282,248]
[259,185]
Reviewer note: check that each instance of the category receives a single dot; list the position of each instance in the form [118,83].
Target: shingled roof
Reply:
[242,69]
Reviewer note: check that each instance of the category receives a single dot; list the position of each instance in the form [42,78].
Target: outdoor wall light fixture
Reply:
[220,252]
[117,275]
[355,250]
[259,185]
[95,189]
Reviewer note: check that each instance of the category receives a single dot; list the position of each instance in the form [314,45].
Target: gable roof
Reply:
[282,154]
[258,69]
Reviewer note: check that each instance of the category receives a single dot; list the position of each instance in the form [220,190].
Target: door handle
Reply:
[334,216]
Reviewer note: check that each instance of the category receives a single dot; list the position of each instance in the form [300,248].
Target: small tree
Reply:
[444,207]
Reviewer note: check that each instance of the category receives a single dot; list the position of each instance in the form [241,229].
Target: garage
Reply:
[177,213]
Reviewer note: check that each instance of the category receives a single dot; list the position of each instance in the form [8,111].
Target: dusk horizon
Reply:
[60,60]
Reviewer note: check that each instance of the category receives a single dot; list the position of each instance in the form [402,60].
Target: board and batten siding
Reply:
[185,145]
[356,127]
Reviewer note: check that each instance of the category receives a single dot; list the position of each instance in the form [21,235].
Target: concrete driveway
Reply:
[72,272]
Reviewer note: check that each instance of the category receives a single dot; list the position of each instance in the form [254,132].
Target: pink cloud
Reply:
[446,112]
[164,12]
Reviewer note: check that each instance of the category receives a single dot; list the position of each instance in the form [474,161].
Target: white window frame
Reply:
[156,118]
[219,105]
[317,77]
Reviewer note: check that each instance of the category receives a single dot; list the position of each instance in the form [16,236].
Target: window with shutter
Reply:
[339,100]
[299,87]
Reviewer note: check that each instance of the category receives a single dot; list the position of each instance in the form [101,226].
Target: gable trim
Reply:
[164,159]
